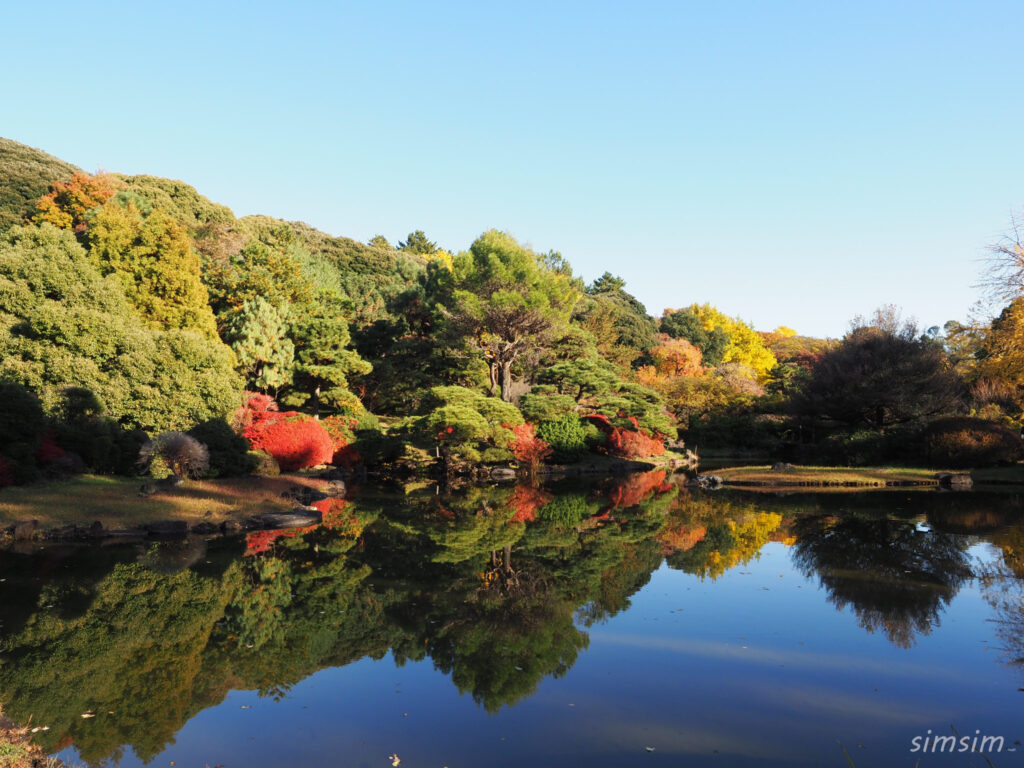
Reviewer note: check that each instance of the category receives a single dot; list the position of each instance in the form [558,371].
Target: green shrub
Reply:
[264,464]
[960,442]
[567,437]
[229,452]
[568,509]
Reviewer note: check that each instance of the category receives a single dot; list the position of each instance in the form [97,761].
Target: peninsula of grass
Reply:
[848,477]
[116,503]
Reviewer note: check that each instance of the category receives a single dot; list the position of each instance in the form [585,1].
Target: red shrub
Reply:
[49,451]
[631,444]
[293,439]
[527,447]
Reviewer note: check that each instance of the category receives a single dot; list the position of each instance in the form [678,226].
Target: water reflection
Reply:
[896,576]
[497,587]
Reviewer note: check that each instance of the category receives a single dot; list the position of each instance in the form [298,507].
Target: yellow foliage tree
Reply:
[746,346]
[153,259]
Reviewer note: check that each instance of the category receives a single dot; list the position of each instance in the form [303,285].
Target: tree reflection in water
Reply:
[896,576]
[497,587]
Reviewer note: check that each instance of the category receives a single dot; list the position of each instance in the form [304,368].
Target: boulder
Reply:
[298,518]
[303,495]
[782,466]
[503,473]
[167,529]
[24,531]
[956,482]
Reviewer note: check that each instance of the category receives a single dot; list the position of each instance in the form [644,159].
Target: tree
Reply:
[687,324]
[417,242]
[505,302]
[623,331]
[1002,352]
[258,334]
[379,241]
[466,424]
[1004,278]
[152,256]
[67,203]
[64,325]
[324,363]
[704,326]
[879,377]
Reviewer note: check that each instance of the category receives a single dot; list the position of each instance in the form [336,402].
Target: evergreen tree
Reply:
[258,334]
[324,362]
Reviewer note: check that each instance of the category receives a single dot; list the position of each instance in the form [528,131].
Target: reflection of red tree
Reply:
[638,487]
[338,517]
[525,502]
[261,541]
[6,472]
[682,538]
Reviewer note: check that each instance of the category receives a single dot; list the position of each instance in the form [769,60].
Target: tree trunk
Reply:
[494,373]
[506,381]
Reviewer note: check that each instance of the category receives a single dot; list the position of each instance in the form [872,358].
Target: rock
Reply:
[782,466]
[204,528]
[303,495]
[231,526]
[709,482]
[169,483]
[957,482]
[25,530]
[169,529]
[299,518]
[503,473]
[336,489]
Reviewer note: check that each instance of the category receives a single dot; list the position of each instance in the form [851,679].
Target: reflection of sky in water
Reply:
[757,667]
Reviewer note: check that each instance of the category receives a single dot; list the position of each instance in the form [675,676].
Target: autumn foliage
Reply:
[525,502]
[67,203]
[293,439]
[636,488]
[527,447]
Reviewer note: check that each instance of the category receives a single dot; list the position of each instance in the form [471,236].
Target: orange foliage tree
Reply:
[66,204]
[528,448]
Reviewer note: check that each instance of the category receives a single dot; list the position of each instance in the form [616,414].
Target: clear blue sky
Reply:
[791,162]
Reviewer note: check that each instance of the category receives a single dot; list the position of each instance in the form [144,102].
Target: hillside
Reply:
[370,275]
[25,176]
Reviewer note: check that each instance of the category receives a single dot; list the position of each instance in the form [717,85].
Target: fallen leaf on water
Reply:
[395,759]
[246,706]
[88,714]
[648,749]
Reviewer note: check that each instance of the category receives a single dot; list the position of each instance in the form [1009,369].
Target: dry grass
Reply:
[116,503]
[18,751]
[866,477]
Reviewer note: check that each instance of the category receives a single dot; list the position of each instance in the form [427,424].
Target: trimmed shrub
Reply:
[229,452]
[182,454]
[961,442]
[264,464]
[567,437]
[294,440]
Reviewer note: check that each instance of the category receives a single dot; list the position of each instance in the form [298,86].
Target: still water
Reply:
[628,623]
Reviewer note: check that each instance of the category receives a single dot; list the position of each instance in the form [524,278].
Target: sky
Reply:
[792,163]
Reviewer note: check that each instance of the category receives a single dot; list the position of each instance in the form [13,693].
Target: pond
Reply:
[632,622]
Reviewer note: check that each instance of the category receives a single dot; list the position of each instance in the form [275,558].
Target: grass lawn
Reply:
[115,501]
[867,477]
